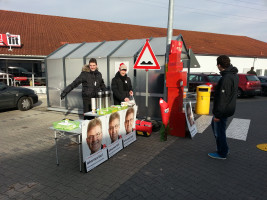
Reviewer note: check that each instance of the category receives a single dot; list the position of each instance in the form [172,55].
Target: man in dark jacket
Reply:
[224,104]
[251,71]
[92,82]
[121,86]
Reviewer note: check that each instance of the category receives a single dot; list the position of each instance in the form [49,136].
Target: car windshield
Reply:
[252,78]
[214,78]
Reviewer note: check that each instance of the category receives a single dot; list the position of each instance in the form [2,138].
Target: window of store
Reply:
[23,72]
[258,72]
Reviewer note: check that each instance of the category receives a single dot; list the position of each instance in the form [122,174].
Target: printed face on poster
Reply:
[190,119]
[94,135]
[115,131]
[103,137]
[129,126]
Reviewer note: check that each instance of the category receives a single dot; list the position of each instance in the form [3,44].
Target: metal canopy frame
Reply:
[121,49]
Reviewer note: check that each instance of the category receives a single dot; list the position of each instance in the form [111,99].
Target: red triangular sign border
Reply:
[147,45]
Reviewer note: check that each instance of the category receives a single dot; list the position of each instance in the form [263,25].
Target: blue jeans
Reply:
[219,131]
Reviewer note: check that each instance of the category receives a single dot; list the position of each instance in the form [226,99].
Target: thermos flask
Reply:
[100,100]
[107,99]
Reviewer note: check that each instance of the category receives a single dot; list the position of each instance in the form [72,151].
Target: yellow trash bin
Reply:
[203,100]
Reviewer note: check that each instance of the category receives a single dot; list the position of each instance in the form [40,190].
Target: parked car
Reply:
[196,79]
[16,97]
[263,80]
[248,85]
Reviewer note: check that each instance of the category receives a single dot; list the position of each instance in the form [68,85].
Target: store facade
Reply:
[23,49]
[20,70]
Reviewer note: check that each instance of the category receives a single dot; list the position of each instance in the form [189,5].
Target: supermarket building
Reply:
[26,40]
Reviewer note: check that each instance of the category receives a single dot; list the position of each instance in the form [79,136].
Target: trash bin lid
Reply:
[203,88]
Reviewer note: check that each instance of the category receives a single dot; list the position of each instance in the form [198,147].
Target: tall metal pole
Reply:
[169,38]
[170,23]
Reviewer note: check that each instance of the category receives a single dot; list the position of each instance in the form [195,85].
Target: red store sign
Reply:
[10,40]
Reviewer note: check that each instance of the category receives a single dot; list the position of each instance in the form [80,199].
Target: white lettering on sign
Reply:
[129,138]
[115,147]
[13,40]
[96,159]
[10,40]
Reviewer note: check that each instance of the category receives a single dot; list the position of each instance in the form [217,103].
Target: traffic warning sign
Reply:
[147,58]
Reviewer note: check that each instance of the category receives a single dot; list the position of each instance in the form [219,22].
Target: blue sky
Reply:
[234,17]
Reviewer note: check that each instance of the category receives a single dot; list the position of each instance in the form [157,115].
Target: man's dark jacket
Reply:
[252,72]
[92,82]
[118,89]
[225,94]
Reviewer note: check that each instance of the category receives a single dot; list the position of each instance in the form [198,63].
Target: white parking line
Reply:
[203,122]
[238,129]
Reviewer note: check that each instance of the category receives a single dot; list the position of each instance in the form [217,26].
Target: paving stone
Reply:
[147,169]
[4,197]
[44,196]
[12,193]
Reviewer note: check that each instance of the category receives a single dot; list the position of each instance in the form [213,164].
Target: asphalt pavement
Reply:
[178,168]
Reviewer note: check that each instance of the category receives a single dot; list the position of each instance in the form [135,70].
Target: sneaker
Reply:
[216,156]
[228,153]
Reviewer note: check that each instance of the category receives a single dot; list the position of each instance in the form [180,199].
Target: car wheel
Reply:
[264,92]
[24,103]
[239,93]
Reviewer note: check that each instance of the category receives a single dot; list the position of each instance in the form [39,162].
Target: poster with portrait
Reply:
[129,135]
[94,142]
[190,119]
[106,135]
[115,130]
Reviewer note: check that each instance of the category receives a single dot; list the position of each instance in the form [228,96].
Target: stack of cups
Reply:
[93,104]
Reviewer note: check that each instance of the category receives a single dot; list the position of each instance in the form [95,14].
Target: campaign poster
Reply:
[190,119]
[94,139]
[106,135]
[121,127]
[115,130]
[129,117]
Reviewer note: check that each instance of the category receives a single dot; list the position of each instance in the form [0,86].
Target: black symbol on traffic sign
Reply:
[146,63]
